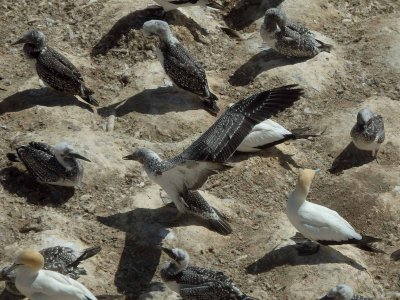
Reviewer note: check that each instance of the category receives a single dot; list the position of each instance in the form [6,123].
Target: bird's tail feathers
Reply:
[301,133]
[220,225]
[13,157]
[366,244]
[87,96]
[395,255]
[87,253]
[325,47]
[215,5]
[211,106]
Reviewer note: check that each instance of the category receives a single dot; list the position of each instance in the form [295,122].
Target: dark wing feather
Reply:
[42,147]
[43,166]
[220,141]
[62,59]
[207,291]
[183,69]
[298,28]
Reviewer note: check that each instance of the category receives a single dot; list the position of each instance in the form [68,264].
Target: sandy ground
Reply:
[118,208]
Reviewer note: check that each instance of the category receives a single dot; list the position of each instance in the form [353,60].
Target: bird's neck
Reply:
[67,163]
[25,272]
[299,196]
[34,50]
[168,37]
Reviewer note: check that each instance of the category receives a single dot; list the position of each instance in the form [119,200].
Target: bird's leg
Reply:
[307,248]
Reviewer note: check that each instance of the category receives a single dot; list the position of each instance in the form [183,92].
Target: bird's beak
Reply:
[20,41]
[78,156]
[130,157]
[12,268]
[317,171]
[169,252]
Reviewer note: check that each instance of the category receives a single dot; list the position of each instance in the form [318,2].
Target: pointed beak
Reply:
[78,156]
[317,171]
[12,268]
[130,157]
[20,41]
[169,253]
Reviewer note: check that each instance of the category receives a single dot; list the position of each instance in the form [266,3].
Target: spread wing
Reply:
[220,141]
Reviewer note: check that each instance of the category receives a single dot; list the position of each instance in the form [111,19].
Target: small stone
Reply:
[85,197]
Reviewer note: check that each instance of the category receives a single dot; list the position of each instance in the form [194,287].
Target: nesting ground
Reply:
[120,209]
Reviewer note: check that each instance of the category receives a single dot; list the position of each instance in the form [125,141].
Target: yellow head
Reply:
[305,179]
[31,259]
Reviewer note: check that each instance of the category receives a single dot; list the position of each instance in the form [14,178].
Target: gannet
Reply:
[343,292]
[38,284]
[180,66]
[195,283]
[368,133]
[207,155]
[288,38]
[60,259]
[53,68]
[319,223]
[58,165]
[267,134]
[168,5]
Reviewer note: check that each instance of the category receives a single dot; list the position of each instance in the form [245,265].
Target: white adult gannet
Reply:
[267,134]
[343,292]
[319,223]
[38,284]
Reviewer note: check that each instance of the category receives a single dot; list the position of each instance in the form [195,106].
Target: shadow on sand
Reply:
[24,185]
[30,98]
[259,63]
[287,255]
[145,230]
[135,21]
[350,157]
[246,12]
[155,102]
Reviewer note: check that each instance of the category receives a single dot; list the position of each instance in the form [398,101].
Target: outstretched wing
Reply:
[220,141]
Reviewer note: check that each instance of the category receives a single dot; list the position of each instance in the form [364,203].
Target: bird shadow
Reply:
[135,21]
[29,98]
[350,157]
[155,102]
[287,255]
[23,185]
[6,295]
[259,63]
[285,160]
[245,12]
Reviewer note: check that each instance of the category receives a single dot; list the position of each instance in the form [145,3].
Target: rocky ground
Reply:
[118,208]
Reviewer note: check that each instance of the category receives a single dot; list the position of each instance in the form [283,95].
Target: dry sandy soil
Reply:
[118,208]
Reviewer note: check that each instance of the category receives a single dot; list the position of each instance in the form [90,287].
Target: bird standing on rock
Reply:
[38,284]
[368,133]
[169,5]
[54,69]
[57,165]
[319,223]
[182,175]
[288,38]
[195,283]
[180,66]
[60,259]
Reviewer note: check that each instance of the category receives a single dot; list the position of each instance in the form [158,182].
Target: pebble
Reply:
[85,197]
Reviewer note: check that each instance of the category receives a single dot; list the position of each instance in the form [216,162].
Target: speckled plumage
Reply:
[206,156]
[368,133]
[64,260]
[343,292]
[180,66]
[174,4]
[47,166]
[53,68]
[195,283]
[289,38]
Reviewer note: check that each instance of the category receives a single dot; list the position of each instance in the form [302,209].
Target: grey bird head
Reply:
[364,115]
[274,17]
[64,150]
[339,292]
[179,256]
[34,37]
[140,155]
[159,28]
